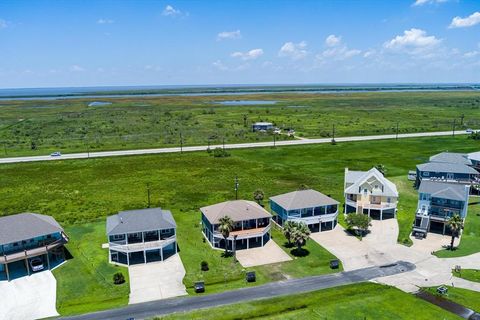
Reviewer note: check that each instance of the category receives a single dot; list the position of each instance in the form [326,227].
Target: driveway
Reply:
[157,280]
[269,253]
[29,297]
[380,247]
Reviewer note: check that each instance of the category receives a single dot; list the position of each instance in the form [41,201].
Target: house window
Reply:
[365,191]
[389,200]
[426,174]
[117,236]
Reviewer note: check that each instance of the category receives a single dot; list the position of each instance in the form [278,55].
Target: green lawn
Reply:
[85,282]
[78,192]
[467,298]
[359,301]
[33,127]
[470,241]
[468,274]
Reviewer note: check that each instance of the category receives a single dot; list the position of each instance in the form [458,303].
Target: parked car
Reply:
[56,154]
[277,131]
[469,130]
[36,264]
[291,133]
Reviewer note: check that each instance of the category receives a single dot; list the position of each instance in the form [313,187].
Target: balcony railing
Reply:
[246,233]
[33,252]
[150,245]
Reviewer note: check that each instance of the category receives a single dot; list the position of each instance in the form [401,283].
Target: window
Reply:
[117,236]
[365,191]
[426,174]
[389,200]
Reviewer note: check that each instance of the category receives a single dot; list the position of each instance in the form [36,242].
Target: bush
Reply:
[220,153]
[118,278]
[204,266]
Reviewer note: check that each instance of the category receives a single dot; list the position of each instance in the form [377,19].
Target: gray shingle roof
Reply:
[24,226]
[303,199]
[474,156]
[444,190]
[140,220]
[237,210]
[451,157]
[446,167]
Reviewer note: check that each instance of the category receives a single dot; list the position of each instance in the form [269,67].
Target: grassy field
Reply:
[78,192]
[85,282]
[40,127]
[470,242]
[360,301]
[468,274]
[467,298]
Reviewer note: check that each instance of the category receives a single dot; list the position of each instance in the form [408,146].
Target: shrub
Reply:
[204,265]
[220,153]
[118,278]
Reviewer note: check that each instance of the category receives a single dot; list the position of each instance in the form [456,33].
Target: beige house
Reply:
[371,193]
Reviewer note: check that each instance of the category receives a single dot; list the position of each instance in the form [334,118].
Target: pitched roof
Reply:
[303,199]
[446,167]
[24,226]
[474,156]
[237,210]
[452,191]
[360,177]
[140,220]
[451,157]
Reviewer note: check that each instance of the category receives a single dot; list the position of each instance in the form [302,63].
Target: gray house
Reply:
[251,224]
[262,126]
[447,172]
[437,202]
[141,236]
[318,211]
[30,242]
[475,158]
[451,157]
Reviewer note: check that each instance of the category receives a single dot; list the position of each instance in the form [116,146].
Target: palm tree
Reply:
[288,229]
[300,235]
[380,167]
[258,195]
[225,227]
[456,224]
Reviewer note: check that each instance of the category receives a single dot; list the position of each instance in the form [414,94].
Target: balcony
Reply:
[141,246]
[33,252]
[246,233]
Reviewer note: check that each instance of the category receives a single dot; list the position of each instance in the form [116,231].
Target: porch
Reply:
[143,253]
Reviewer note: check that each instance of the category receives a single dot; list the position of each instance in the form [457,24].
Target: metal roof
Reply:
[444,190]
[303,199]
[237,210]
[446,167]
[140,220]
[357,178]
[24,226]
[263,124]
[451,157]
[474,156]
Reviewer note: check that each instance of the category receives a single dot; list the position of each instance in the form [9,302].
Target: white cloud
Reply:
[369,53]
[76,68]
[422,2]
[470,21]
[295,51]
[249,55]
[3,24]
[332,40]
[219,65]
[170,11]
[471,54]
[105,21]
[229,35]
[414,42]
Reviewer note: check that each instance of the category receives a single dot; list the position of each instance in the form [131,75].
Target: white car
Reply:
[469,130]
[56,154]
[291,133]
[277,131]
[36,264]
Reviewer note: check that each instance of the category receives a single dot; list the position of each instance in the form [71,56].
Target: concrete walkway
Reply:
[157,280]
[380,247]
[29,297]
[270,253]
[85,155]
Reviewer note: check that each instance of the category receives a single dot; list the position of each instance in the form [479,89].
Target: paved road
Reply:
[100,154]
[274,289]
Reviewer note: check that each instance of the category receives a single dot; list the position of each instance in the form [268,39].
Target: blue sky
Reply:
[103,43]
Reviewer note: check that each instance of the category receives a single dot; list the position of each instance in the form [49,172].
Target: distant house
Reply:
[437,202]
[251,224]
[451,157]
[412,175]
[315,209]
[141,236]
[28,241]
[262,126]
[369,192]
[447,172]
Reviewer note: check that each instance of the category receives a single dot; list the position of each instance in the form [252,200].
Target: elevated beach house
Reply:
[369,192]
[262,126]
[437,202]
[251,224]
[315,209]
[29,242]
[141,236]
[448,167]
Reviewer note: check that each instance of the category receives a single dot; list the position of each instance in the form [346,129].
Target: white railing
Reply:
[149,245]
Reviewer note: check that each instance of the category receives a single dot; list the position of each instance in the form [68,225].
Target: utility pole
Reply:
[245,120]
[396,134]
[181,143]
[454,123]
[333,132]
[274,137]
[462,117]
[236,188]
[148,194]
[223,141]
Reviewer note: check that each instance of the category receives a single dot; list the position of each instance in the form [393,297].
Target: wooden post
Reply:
[26,264]
[48,261]
[8,274]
